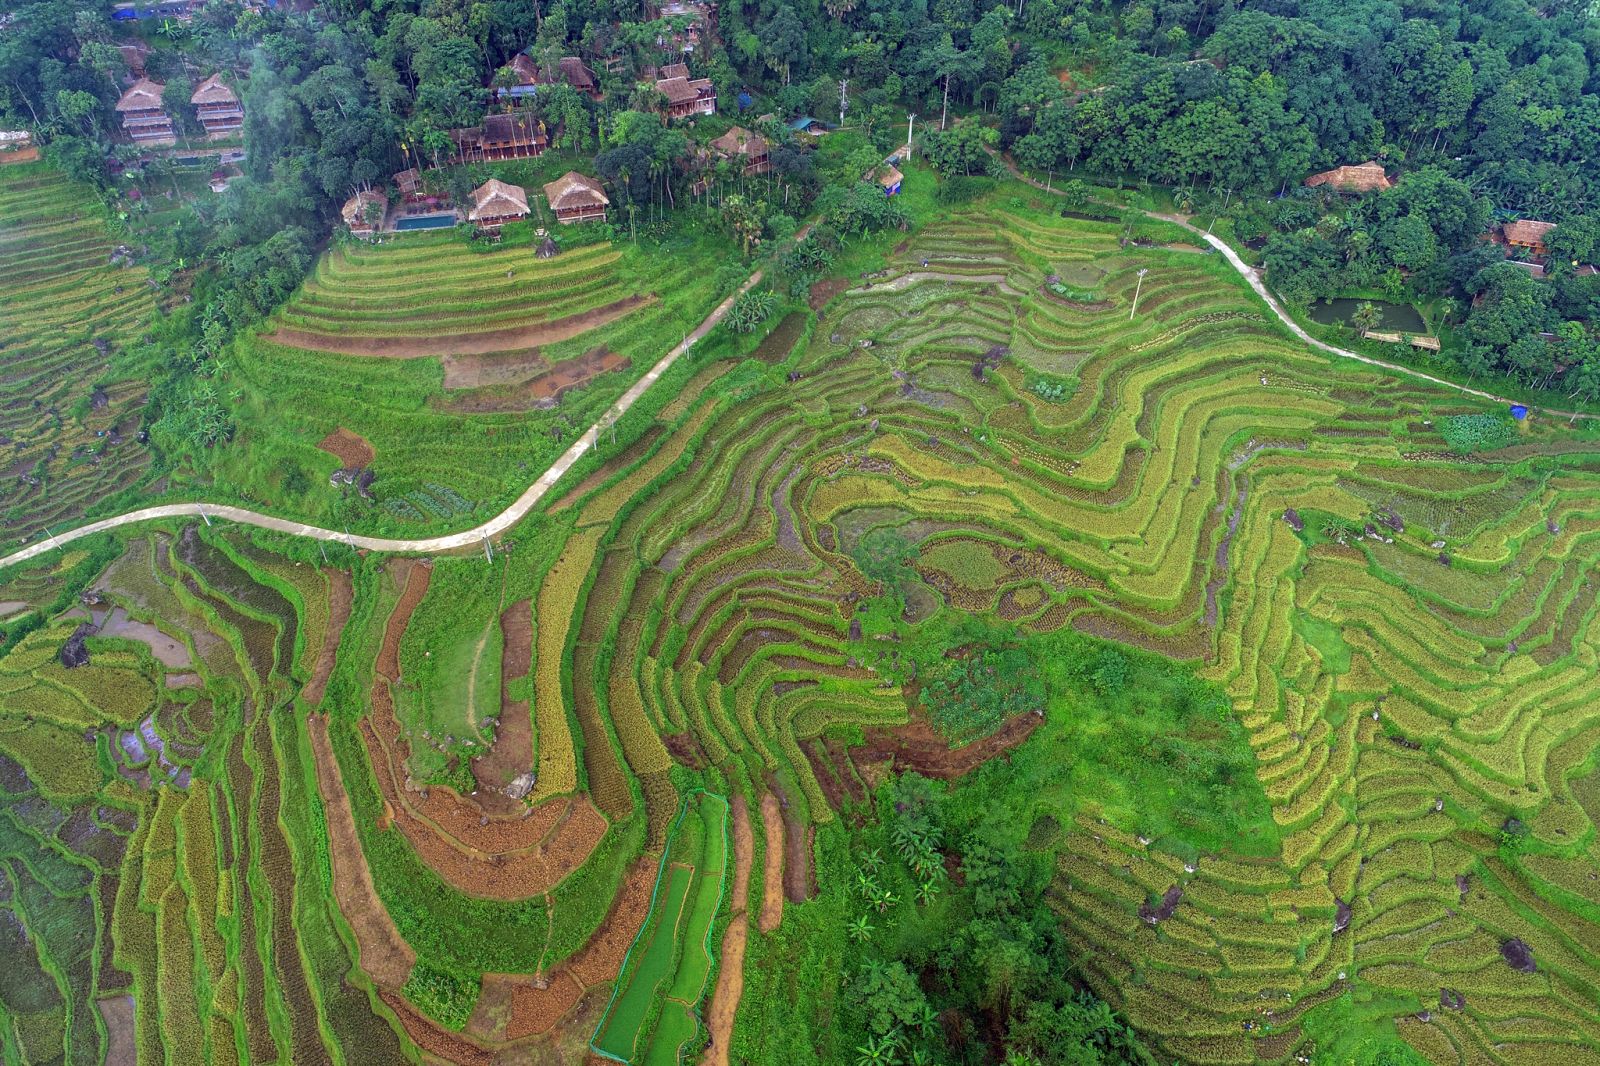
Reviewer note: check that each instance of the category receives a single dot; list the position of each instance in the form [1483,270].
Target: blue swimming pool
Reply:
[425,222]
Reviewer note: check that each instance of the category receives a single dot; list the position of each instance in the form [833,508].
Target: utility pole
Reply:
[911,124]
[1142,272]
[843,99]
[203,514]
[487,552]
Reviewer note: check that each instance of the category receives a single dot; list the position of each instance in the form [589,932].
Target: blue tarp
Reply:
[1519,411]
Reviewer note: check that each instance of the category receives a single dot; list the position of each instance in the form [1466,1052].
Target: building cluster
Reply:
[573,197]
[143,111]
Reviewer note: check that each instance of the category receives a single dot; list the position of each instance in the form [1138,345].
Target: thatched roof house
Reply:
[548,249]
[143,115]
[740,143]
[217,106]
[357,210]
[576,197]
[675,70]
[496,202]
[1527,233]
[580,77]
[889,177]
[1364,177]
[685,97]
[524,76]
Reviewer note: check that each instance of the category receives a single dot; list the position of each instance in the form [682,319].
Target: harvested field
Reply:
[117,1013]
[385,955]
[730,978]
[434,1040]
[772,872]
[498,340]
[351,449]
[512,753]
[492,369]
[543,389]
[340,593]
[168,651]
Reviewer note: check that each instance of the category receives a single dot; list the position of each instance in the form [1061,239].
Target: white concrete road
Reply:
[453,541]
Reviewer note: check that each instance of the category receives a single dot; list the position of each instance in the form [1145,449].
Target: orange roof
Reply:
[1364,177]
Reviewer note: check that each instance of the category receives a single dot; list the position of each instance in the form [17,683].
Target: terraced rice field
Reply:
[466,371]
[69,415]
[1404,635]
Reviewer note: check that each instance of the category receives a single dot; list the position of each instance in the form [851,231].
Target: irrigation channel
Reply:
[535,492]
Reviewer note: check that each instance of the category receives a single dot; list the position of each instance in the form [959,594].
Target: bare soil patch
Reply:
[494,368]
[799,880]
[121,1049]
[730,977]
[432,1039]
[340,593]
[776,346]
[918,746]
[511,755]
[385,955]
[772,871]
[350,448]
[543,391]
[535,1010]
[823,292]
[494,340]
[489,1014]
[167,650]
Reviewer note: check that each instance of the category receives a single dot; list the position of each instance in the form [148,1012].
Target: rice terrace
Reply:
[662,577]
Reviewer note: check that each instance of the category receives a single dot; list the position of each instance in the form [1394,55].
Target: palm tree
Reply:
[1366,318]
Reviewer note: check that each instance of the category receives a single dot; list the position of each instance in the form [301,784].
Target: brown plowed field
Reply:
[548,386]
[730,978]
[340,594]
[351,449]
[492,368]
[918,746]
[535,1011]
[434,1040]
[512,752]
[772,871]
[385,955]
[501,858]
[494,340]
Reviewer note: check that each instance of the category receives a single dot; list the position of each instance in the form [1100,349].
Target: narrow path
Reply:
[1253,276]
[470,538]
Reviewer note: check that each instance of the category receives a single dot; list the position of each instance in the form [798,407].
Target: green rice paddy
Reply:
[1403,637]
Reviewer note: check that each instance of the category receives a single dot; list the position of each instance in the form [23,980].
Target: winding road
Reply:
[535,492]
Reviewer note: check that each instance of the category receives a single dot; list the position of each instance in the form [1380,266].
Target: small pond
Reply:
[1341,312]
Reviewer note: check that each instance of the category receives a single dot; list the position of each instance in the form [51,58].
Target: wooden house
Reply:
[1361,178]
[580,77]
[494,203]
[686,97]
[889,178]
[409,182]
[143,116]
[575,197]
[523,74]
[513,137]
[364,212]
[1527,235]
[673,70]
[217,107]
[740,144]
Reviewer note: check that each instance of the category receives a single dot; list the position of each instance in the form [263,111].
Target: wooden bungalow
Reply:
[523,75]
[1361,178]
[143,115]
[575,197]
[1527,235]
[740,143]
[513,137]
[217,107]
[685,97]
[409,182]
[674,70]
[494,203]
[364,212]
[580,77]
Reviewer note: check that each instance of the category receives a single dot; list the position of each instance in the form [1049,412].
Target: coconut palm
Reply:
[1366,318]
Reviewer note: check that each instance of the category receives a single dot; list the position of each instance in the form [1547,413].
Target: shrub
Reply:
[446,997]
[1477,433]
